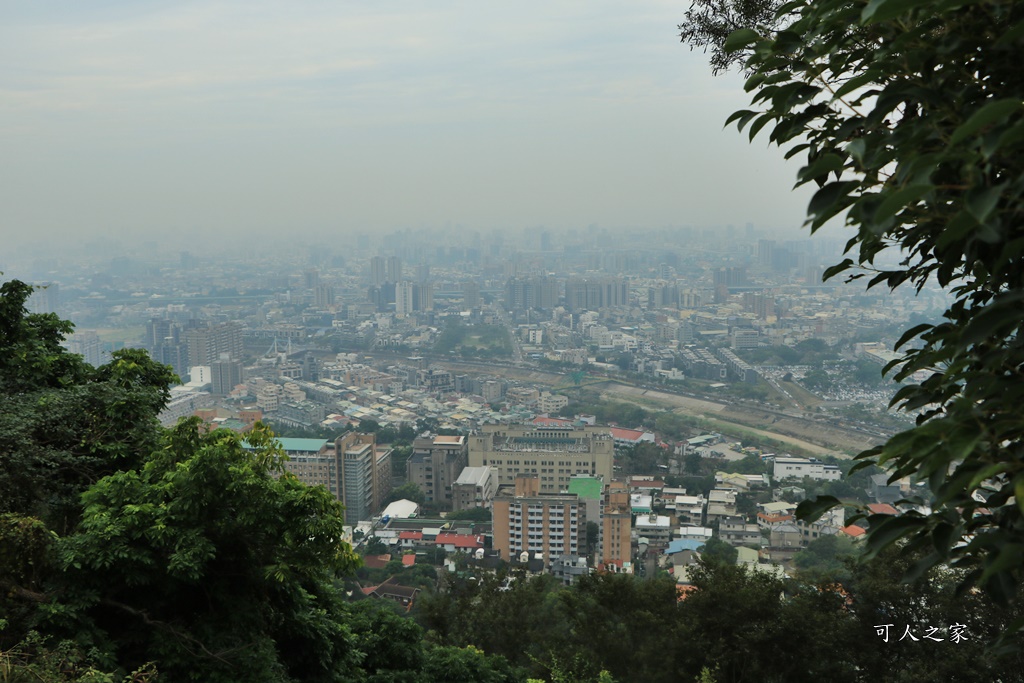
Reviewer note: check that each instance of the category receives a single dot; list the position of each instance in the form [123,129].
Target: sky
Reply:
[140,119]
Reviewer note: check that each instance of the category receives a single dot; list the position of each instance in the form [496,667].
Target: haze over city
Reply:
[199,120]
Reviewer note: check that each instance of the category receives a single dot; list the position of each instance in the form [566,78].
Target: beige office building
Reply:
[555,454]
[617,525]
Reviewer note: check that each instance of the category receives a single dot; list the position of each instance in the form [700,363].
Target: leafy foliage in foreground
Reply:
[63,424]
[910,116]
[743,625]
[205,555]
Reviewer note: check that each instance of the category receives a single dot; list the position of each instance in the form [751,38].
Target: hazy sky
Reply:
[139,117]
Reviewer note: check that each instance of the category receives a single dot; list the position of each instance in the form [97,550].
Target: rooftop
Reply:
[587,488]
[472,475]
[460,540]
[298,445]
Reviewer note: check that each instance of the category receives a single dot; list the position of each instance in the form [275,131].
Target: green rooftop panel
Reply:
[304,445]
[587,488]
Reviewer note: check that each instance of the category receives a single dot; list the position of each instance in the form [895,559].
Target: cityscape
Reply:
[543,342]
[468,371]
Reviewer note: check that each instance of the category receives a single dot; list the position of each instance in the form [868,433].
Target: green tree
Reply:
[368,426]
[643,458]
[910,119]
[818,380]
[375,546]
[823,558]
[718,551]
[621,624]
[749,464]
[211,560]
[878,595]
[732,619]
[520,622]
[407,491]
[64,424]
[473,514]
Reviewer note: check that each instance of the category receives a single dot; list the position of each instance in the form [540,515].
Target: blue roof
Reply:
[681,544]
[307,445]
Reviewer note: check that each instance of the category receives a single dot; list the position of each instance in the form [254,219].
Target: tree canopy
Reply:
[63,423]
[909,117]
[123,544]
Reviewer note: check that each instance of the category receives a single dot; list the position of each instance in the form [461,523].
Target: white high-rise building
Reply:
[405,298]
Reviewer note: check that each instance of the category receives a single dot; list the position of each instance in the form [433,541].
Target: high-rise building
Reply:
[424,295]
[765,252]
[365,475]
[394,269]
[87,344]
[413,296]
[405,301]
[760,304]
[310,278]
[378,271]
[528,520]
[310,367]
[470,294]
[616,526]
[734,276]
[45,298]
[591,294]
[206,344]
[174,354]
[227,373]
[157,332]
[435,464]
[523,293]
[553,453]
[323,296]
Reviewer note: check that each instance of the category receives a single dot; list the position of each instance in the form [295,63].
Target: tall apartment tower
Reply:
[424,296]
[157,332]
[378,270]
[533,292]
[227,373]
[323,296]
[206,344]
[405,298]
[310,278]
[470,295]
[552,453]
[87,343]
[527,520]
[365,475]
[435,464]
[394,269]
[616,526]
[45,298]
[588,294]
